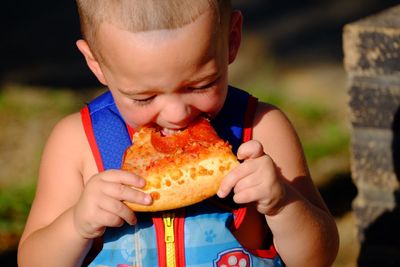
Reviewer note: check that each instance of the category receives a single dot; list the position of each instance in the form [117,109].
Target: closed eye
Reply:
[204,87]
[144,101]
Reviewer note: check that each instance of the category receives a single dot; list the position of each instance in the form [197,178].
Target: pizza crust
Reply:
[182,175]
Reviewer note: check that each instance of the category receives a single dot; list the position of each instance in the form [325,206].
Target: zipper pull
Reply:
[168,219]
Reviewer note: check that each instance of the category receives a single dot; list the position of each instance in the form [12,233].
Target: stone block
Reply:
[372,61]
[373,159]
[372,45]
[374,101]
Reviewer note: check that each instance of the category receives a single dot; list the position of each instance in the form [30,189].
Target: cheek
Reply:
[134,115]
[211,103]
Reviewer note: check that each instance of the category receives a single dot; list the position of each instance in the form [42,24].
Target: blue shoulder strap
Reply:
[110,131]
[230,121]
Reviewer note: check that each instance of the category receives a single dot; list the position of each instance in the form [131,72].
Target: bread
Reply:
[180,169]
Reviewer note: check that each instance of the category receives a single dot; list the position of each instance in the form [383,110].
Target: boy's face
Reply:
[167,77]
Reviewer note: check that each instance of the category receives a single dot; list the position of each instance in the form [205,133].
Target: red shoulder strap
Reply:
[131,131]
[247,136]
[87,126]
[249,118]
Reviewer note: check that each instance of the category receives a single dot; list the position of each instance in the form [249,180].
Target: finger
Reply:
[268,200]
[123,192]
[232,178]
[120,212]
[124,177]
[250,150]
[246,196]
[244,184]
[138,197]
[108,219]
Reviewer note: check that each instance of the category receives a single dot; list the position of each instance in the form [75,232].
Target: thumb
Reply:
[250,150]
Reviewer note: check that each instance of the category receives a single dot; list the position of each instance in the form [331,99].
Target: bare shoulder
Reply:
[63,159]
[60,180]
[280,141]
[69,129]
[67,149]
[272,127]
[68,142]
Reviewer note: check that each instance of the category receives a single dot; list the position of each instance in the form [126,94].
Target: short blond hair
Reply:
[145,15]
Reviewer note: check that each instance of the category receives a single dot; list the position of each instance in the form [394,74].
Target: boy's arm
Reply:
[304,231]
[274,177]
[74,203]
[50,237]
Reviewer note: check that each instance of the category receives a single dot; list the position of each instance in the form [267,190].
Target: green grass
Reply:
[331,140]
[27,115]
[322,131]
[15,202]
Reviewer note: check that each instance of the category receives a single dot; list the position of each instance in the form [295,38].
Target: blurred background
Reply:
[291,56]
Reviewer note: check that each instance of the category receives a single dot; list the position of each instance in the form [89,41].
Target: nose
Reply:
[175,111]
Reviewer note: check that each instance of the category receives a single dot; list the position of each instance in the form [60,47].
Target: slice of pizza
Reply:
[180,169]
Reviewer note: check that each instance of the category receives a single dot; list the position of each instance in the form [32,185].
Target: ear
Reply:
[235,34]
[91,61]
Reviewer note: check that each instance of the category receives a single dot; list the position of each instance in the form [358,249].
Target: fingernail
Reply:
[220,193]
[147,199]
[142,182]
[131,221]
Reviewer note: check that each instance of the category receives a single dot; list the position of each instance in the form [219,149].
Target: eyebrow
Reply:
[130,92]
[207,77]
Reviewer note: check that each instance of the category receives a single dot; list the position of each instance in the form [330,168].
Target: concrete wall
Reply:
[372,61]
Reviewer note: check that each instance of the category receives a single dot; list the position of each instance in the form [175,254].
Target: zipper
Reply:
[169,238]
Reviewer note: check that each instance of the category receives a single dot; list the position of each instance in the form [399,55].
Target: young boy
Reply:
[166,62]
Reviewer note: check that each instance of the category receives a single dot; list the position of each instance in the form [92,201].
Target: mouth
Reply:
[169,132]
[164,131]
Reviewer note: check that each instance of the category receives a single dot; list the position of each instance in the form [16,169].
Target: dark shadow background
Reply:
[38,40]
[38,48]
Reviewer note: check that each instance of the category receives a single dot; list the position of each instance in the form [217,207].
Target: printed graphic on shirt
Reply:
[233,258]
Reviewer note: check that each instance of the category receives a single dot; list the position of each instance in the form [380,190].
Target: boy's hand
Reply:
[255,180]
[101,206]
